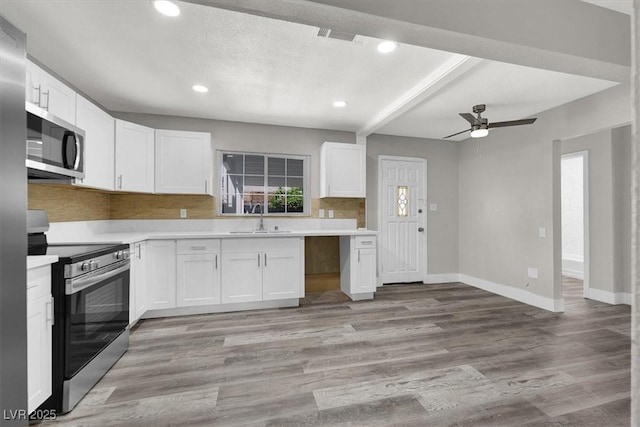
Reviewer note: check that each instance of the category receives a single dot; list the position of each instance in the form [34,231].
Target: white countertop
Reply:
[132,237]
[34,261]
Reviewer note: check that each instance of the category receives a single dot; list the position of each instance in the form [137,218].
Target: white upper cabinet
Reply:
[44,90]
[134,165]
[343,170]
[184,162]
[99,143]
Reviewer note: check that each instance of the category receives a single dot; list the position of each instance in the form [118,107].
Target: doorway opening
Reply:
[575,225]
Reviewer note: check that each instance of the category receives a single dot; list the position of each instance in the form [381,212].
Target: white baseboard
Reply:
[573,267]
[609,297]
[524,296]
[442,278]
[575,274]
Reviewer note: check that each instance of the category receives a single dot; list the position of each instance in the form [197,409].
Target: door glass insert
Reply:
[403,201]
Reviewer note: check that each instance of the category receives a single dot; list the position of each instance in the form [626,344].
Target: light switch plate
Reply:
[320,213]
[183,213]
[330,213]
[542,232]
[532,272]
[433,207]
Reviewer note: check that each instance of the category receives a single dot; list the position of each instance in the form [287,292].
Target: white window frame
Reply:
[306,172]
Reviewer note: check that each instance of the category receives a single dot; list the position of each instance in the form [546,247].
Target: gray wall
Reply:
[240,136]
[621,146]
[442,188]
[511,187]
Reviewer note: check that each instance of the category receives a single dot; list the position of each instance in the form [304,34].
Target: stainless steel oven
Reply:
[96,312]
[90,287]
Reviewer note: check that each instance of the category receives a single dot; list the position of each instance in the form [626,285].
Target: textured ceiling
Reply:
[127,57]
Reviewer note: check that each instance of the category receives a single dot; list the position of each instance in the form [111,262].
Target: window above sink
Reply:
[267,184]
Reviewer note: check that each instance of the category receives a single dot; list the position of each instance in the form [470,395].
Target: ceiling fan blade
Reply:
[449,136]
[512,123]
[469,117]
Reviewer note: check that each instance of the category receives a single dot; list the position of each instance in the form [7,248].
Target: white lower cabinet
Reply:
[358,266]
[241,276]
[365,274]
[39,335]
[261,269]
[161,277]
[198,280]
[138,282]
[281,273]
[187,273]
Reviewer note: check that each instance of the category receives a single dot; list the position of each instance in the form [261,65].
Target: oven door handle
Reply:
[88,280]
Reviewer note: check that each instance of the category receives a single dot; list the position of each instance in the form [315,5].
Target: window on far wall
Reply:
[263,183]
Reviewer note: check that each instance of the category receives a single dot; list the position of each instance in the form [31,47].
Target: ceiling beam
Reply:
[449,71]
[568,36]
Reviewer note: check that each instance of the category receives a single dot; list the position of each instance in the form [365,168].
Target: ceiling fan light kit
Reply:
[480,126]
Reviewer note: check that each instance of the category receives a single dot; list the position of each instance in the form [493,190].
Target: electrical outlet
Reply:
[542,232]
[320,213]
[433,207]
[183,213]
[330,213]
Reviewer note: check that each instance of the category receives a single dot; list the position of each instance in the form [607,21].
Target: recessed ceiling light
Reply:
[387,46]
[167,8]
[200,88]
[340,104]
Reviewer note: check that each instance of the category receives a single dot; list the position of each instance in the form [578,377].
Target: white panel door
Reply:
[58,98]
[38,351]
[161,270]
[365,274]
[281,275]
[403,196]
[135,162]
[198,280]
[99,145]
[241,276]
[184,162]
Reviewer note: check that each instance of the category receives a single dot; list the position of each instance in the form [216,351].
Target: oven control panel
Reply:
[96,263]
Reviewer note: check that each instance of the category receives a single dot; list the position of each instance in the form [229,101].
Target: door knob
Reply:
[420,229]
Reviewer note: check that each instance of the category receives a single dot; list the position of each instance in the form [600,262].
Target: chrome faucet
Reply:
[261,228]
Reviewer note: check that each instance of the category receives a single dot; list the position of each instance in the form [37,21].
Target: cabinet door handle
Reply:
[45,107]
[258,260]
[205,186]
[50,311]
[120,182]
[358,255]
[265,259]
[216,261]
[329,189]
[139,247]
[39,89]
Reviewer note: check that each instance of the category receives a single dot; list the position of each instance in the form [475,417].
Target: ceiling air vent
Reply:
[337,35]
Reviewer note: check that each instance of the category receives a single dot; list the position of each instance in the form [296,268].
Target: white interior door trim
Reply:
[381,159]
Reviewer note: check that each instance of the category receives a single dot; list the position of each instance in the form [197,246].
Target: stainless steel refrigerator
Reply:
[13,228]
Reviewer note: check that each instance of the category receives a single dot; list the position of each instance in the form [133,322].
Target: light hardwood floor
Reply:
[423,355]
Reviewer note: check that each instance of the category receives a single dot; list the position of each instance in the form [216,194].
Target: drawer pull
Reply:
[367,242]
[198,248]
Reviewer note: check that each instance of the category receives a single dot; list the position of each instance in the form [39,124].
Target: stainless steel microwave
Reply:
[55,148]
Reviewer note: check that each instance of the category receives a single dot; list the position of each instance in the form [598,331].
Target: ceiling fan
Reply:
[480,126]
